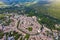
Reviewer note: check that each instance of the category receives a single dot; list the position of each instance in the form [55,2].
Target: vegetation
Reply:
[54,10]
[21,38]
[18,23]
[2,16]
[6,23]
[30,28]
[49,22]
[16,35]
[1,34]
[27,36]
[58,28]
[13,33]
[46,20]
[5,20]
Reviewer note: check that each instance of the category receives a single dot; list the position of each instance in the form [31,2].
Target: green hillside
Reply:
[54,10]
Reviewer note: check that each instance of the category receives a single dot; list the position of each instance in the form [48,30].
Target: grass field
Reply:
[54,10]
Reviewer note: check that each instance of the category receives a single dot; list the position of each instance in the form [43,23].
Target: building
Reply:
[11,38]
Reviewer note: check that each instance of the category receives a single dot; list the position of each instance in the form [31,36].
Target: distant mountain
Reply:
[10,2]
[7,3]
